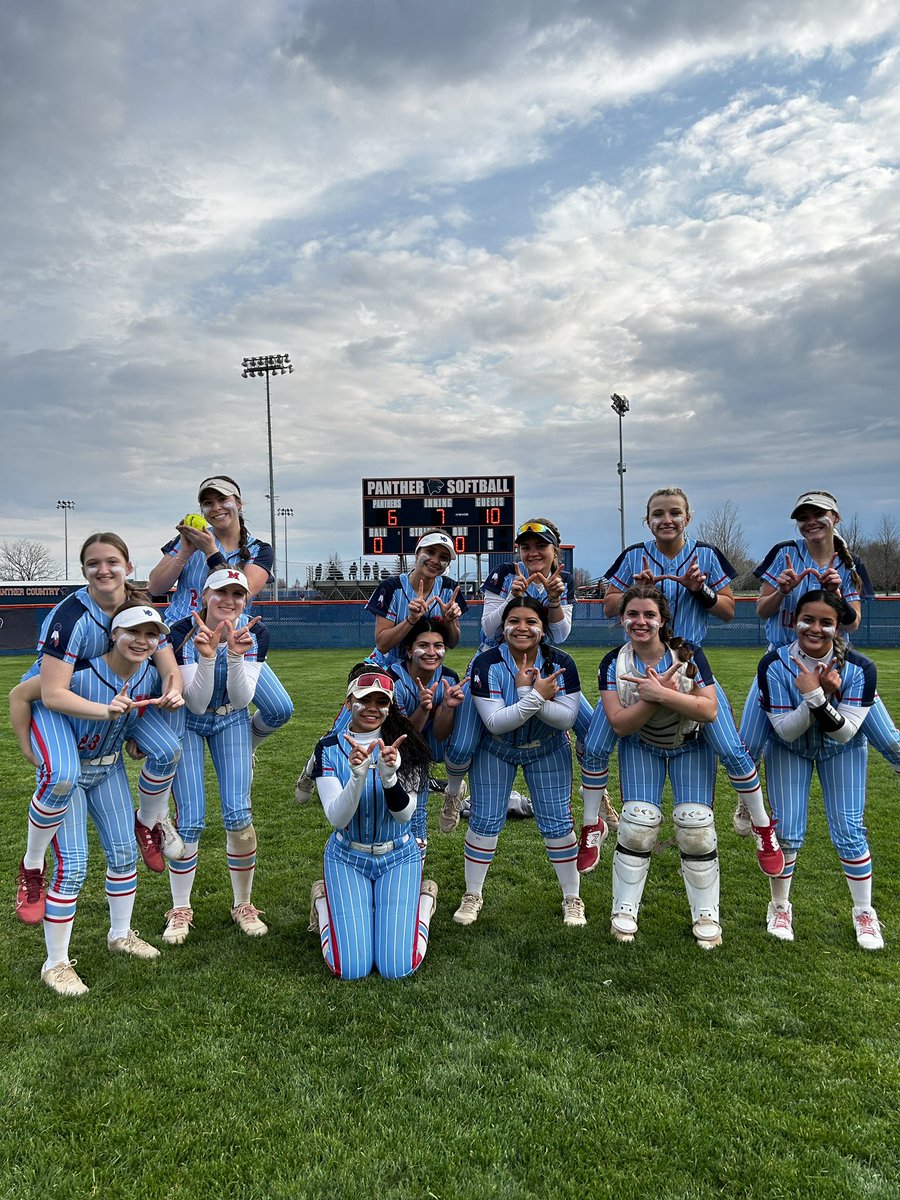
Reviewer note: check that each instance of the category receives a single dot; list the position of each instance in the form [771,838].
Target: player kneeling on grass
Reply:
[526,695]
[373,908]
[657,692]
[108,697]
[221,653]
[816,694]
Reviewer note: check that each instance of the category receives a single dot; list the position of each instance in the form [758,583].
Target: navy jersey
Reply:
[77,628]
[780,626]
[690,619]
[373,820]
[392,598]
[493,676]
[192,580]
[778,693]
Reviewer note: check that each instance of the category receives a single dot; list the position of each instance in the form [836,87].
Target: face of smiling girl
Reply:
[536,554]
[642,621]
[522,629]
[668,517]
[221,511]
[104,567]
[137,644]
[816,627]
[368,713]
[224,604]
[427,651]
[816,524]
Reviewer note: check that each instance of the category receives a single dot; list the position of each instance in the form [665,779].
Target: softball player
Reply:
[526,694]
[696,579]
[657,692]
[373,909]
[819,557]
[401,600]
[221,664]
[79,628]
[105,704]
[816,695]
[189,558]
[428,693]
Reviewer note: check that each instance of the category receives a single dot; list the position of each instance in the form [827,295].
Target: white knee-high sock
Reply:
[120,895]
[563,854]
[182,873]
[479,851]
[780,886]
[58,920]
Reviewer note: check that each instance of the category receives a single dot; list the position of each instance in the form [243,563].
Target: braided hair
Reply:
[821,596]
[682,651]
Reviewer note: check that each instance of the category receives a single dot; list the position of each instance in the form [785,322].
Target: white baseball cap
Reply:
[225,576]
[141,614]
[823,500]
[224,487]
[436,539]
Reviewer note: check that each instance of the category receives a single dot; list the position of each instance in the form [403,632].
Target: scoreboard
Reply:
[477,513]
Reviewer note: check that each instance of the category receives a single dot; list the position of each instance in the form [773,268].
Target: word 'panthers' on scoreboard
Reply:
[477,512]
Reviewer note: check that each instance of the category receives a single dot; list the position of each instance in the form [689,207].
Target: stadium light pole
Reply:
[67,506]
[269,364]
[285,512]
[620,406]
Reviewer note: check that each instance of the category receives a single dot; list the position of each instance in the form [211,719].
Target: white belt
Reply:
[522,746]
[223,710]
[372,847]
[106,760]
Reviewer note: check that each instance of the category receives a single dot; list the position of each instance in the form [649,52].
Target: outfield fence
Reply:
[346,625]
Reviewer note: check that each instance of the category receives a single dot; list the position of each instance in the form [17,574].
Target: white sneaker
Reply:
[317,892]
[623,926]
[573,911]
[780,920]
[707,931]
[469,908]
[868,928]
[179,922]
[170,840]
[63,979]
[743,826]
[430,888]
[304,788]
[246,917]
[133,945]
[449,817]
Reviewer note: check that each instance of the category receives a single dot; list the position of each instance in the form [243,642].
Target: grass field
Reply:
[522,1060]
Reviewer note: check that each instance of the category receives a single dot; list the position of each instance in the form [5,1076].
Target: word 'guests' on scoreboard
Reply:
[479,514]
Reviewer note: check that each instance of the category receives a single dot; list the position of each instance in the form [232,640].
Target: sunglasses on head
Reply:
[541,530]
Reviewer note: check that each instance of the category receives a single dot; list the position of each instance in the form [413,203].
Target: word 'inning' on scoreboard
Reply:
[479,514]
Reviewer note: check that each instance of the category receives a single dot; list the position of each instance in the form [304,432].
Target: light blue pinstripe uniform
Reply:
[372,899]
[841,766]
[101,792]
[878,726]
[642,767]
[77,629]
[499,583]
[543,753]
[690,620]
[392,598]
[275,705]
[406,697]
[228,737]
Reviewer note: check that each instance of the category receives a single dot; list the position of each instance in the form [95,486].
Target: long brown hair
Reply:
[679,647]
[107,538]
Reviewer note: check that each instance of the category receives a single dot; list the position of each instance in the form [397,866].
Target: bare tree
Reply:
[24,559]
[583,577]
[852,532]
[335,569]
[881,554]
[723,529]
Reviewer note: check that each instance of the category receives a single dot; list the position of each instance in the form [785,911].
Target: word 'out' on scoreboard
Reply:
[478,513]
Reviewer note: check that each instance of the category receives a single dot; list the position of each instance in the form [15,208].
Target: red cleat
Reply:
[31,894]
[150,845]
[769,854]
[592,838]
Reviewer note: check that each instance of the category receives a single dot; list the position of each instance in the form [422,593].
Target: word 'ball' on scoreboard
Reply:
[478,513]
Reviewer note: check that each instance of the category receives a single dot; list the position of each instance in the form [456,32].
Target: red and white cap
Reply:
[225,576]
[371,681]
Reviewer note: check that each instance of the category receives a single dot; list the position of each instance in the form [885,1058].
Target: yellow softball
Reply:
[195,521]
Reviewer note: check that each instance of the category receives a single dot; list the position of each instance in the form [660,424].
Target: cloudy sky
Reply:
[468,223]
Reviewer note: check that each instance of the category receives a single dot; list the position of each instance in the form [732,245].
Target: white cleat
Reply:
[780,920]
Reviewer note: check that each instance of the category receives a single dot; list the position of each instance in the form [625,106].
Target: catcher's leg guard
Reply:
[638,828]
[695,833]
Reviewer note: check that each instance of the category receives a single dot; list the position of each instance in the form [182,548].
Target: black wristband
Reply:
[216,560]
[706,597]
[396,797]
[848,613]
[827,717]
